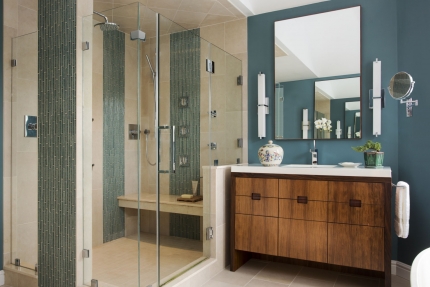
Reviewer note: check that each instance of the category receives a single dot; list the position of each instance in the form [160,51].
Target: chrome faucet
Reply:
[314,154]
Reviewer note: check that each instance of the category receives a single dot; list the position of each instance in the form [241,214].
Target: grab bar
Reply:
[173,150]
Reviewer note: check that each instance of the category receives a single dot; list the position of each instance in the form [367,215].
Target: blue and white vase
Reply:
[270,154]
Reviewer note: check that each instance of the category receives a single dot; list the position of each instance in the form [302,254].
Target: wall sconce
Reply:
[305,124]
[377,98]
[338,130]
[263,105]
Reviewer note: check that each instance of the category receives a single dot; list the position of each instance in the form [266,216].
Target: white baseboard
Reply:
[1,277]
[401,269]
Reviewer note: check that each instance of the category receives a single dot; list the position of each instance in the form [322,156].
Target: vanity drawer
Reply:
[256,234]
[355,213]
[263,186]
[367,193]
[312,189]
[356,246]
[264,206]
[303,239]
[302,209]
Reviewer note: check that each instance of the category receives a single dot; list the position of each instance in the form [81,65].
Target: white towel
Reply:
[401,219]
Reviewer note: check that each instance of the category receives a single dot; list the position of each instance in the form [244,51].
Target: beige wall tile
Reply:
[97,208]
[168,4]
[203,6]
[189,17]
[10,13]
[8,34]
[27,199]
[216,19]
[236,36]
[131,172]
[27,20]
[219,9]
[131,227]
[214,34]
[27,242]
[131,73]
[26,52]
[7,142]
[7,219]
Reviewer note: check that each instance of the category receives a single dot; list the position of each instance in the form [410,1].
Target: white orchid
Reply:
[323,124]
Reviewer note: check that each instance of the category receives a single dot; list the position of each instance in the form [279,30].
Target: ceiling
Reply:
[189,14]
[255,7]
[339,89]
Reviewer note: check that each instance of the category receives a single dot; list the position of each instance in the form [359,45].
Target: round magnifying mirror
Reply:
[401,85]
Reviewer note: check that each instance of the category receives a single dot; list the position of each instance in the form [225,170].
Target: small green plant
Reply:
[369,145]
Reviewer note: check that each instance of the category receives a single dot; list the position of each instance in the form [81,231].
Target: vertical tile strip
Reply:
[185,85]
[113,133]
[57,143]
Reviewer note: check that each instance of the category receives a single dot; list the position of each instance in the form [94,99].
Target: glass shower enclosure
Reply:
[155,114]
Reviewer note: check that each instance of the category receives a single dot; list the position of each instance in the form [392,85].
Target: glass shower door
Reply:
[24,151]
[112,120]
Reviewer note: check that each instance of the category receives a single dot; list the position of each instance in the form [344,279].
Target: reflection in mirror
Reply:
[352,120]
[331,101]
[319,48]
[401,85]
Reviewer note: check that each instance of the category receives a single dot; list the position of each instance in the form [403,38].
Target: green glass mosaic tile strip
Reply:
[57,143]
[113,134]
[185,111]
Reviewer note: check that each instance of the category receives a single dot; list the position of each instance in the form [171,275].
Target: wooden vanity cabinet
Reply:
[303,219]
[340,223]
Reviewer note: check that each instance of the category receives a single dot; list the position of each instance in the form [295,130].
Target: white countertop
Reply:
[331,171]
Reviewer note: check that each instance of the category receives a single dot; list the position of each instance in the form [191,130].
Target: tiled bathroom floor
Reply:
[257,273]
[115,262]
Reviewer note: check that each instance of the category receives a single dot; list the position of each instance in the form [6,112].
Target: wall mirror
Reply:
[317,72]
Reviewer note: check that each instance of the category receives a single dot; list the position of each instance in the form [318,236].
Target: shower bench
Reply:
[168,203]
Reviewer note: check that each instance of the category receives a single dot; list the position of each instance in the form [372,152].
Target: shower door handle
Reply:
[173,150]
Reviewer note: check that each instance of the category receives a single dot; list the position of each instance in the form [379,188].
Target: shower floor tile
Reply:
[115,264]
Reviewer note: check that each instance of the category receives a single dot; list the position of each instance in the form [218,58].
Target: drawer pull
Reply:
[256,196]
[302,199]
[354,203]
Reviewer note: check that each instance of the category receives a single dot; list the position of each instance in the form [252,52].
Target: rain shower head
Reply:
[106,26]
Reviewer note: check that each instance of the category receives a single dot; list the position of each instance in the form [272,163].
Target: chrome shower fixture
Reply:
[150,66]
[138,35]
[106,26]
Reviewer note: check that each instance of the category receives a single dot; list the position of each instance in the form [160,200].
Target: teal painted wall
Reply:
[414,153]
[378,40]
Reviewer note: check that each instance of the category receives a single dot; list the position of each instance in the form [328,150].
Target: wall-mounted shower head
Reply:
[106,26]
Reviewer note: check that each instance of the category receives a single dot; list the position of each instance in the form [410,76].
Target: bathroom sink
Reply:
[310,165]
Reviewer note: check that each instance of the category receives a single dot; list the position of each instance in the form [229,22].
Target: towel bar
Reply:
[393,185]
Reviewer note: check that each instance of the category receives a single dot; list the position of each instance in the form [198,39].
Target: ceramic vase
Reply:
[270,154]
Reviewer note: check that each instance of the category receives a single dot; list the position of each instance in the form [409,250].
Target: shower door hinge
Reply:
[13,63]
[209,233]
[85,253]
[85,46]
[240,80]
[210,66]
